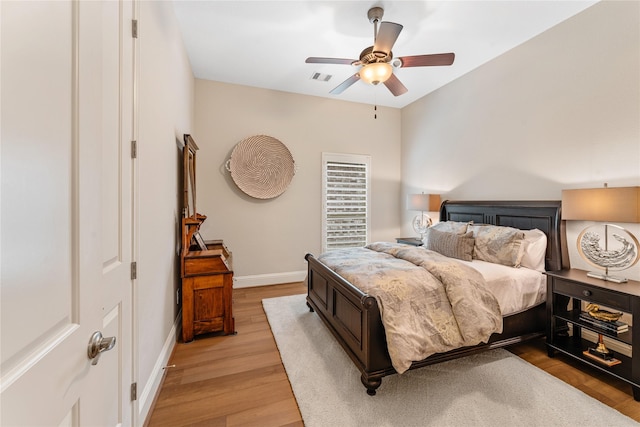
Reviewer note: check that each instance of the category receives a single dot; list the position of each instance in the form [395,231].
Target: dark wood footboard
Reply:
[353,317]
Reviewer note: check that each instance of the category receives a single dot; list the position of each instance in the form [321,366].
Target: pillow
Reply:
[534,250]
[451,227]
[496,244]
[453,245]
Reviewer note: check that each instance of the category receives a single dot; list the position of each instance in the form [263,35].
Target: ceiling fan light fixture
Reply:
[377,72]
[376,63]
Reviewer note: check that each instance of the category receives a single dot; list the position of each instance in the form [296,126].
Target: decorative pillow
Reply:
[496,244]
[451,227]
[453,245]
[534,250]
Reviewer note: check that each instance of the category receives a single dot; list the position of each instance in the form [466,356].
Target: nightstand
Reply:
[415,241]
[575,285]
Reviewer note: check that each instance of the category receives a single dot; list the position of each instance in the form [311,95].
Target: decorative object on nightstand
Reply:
[619,204]
[601,352]
[423,203]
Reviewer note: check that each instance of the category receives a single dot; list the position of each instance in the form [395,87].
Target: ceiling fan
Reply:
[377,61]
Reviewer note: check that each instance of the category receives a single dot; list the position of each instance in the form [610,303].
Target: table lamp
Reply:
[616,204]
[423,203]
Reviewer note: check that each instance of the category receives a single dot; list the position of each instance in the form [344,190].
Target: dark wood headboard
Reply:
[525,215]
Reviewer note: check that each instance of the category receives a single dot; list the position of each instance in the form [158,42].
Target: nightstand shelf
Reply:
[577,286]
[574,348]
[572,316]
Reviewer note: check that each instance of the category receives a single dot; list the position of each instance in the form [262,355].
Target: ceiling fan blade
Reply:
[387,36]
[319,60]
[395,86]
[345,84]
[427,60]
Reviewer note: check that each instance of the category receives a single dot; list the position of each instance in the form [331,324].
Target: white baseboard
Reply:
[152,387]
[268,279]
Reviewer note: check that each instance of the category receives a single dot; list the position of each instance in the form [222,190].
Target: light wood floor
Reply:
[240,381]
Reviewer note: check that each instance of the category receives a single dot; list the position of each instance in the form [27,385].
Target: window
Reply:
[345,200]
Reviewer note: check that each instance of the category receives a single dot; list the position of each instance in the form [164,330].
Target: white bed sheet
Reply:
[516,289]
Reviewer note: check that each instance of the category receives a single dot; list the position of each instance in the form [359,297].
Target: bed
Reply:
[354,318]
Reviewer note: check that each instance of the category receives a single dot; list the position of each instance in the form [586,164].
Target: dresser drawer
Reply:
[596,295]
[204,262]
[208,282]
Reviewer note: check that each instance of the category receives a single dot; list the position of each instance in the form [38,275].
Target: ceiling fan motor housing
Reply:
[369,56]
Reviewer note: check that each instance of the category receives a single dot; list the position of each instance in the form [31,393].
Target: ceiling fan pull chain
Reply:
[375,105]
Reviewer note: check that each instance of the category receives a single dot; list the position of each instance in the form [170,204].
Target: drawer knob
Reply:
[586,293]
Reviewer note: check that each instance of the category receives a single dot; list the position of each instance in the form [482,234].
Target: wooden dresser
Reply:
[205,267]
[207,287]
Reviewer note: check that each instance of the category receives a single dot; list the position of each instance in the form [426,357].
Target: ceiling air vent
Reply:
[321,77]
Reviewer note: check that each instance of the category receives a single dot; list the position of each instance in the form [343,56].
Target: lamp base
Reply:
[606,277]
[622,255]
[421,223]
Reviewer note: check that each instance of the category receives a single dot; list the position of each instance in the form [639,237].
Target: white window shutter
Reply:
[345,201]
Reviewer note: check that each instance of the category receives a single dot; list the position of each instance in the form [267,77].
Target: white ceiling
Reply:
[265,43]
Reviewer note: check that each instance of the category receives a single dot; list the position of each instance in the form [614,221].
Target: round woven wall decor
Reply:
[261,166]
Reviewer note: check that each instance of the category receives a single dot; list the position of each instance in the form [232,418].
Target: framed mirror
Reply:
[189,177]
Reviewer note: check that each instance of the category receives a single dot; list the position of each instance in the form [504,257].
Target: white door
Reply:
[66,125]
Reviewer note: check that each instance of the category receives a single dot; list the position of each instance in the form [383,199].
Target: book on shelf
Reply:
[608,326]
[615,327]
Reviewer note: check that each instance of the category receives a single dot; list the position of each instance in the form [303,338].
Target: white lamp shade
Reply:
[423,202]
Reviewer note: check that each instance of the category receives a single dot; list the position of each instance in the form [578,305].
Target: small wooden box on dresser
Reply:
[624,297]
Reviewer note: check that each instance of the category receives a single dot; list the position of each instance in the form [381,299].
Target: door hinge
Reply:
[134,270]
[134,391]
[134,149]
[134,28]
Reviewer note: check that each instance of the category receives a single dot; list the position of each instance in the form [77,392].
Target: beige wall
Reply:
[269,238]
[166,112]
[559,111]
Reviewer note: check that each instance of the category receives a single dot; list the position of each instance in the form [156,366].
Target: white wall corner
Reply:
[269,279]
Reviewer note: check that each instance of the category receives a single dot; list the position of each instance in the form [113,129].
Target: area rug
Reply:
[494,388]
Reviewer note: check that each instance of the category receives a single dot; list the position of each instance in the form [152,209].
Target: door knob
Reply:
[99,344]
